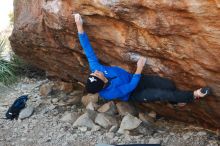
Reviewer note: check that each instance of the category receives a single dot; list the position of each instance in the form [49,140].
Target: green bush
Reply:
[2,45]
[8,69]
[7,72]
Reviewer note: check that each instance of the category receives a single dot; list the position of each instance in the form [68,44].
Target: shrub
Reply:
[7,68]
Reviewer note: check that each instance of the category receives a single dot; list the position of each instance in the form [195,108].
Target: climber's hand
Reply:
[78,19]
[140,65]
[141,62]
[79,22]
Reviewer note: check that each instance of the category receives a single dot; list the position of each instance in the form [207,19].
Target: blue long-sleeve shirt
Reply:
[122,83]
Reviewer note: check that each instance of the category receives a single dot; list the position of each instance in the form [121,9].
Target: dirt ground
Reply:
[44,127]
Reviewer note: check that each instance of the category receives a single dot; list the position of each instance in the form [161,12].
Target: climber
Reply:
[116,83]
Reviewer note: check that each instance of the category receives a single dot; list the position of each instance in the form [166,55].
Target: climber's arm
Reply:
[85,43]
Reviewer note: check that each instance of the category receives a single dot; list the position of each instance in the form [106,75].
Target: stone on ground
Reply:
[46,89]
[114,128]
[129,122]
[69,117]
[154,141]
[146,118]
[84,120]
[105,120]
[92,114]
[90,98]
[91,106]
[125,108]
[26,112]
[63,86]
[152,114]
[109,108]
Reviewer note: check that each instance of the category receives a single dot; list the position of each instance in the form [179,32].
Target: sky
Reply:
[6,6]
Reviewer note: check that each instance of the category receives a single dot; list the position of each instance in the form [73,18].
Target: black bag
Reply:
[16,107]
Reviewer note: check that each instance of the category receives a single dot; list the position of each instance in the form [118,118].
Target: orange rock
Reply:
[46,89]
[125,108]
[63,86]
[89,98]
[180,39]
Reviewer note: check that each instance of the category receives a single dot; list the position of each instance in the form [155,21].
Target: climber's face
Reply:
[100,75]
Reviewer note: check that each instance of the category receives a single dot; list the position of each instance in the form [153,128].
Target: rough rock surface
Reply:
[105,120]
[180,39]
[26,112]
[129,122]
[45,127]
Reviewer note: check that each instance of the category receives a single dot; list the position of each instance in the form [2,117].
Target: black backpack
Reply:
[17,106]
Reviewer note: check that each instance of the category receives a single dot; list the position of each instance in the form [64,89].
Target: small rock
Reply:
[61,103]
[92,114]
[144,129]
[47,109]
[60,95]
[115,138]
[90,106]
[109,108]
[152,114]
[212,143]
[83,129]
[114,128]
[105,120]
[51,107]
[76,93]
[46,89]
[26,112]
[171,133]
[146,118]
[95,128]
[54,100]
[5,103]
[201,133]
[63,86]
[89,98]
[127,137]
[23,139]
[187,135]
[154,141]
[84,120]
[166,139]
[125,108]
[34,99]
[69,117]
[73,107]
[60,136]
[74,98]
[129,122]
[110,135]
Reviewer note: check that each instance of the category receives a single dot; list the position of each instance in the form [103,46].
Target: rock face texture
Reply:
[181,40]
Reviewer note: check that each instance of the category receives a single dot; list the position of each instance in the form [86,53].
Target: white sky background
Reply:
[6,6]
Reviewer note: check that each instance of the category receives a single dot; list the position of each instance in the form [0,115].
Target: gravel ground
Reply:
[44,127]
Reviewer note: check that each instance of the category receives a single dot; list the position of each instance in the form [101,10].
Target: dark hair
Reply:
[94,84]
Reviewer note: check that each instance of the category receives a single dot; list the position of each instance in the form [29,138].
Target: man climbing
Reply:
[116,83]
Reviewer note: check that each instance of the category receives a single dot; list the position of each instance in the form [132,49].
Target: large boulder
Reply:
[180,39]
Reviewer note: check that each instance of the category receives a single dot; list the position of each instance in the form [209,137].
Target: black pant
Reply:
[155,88]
